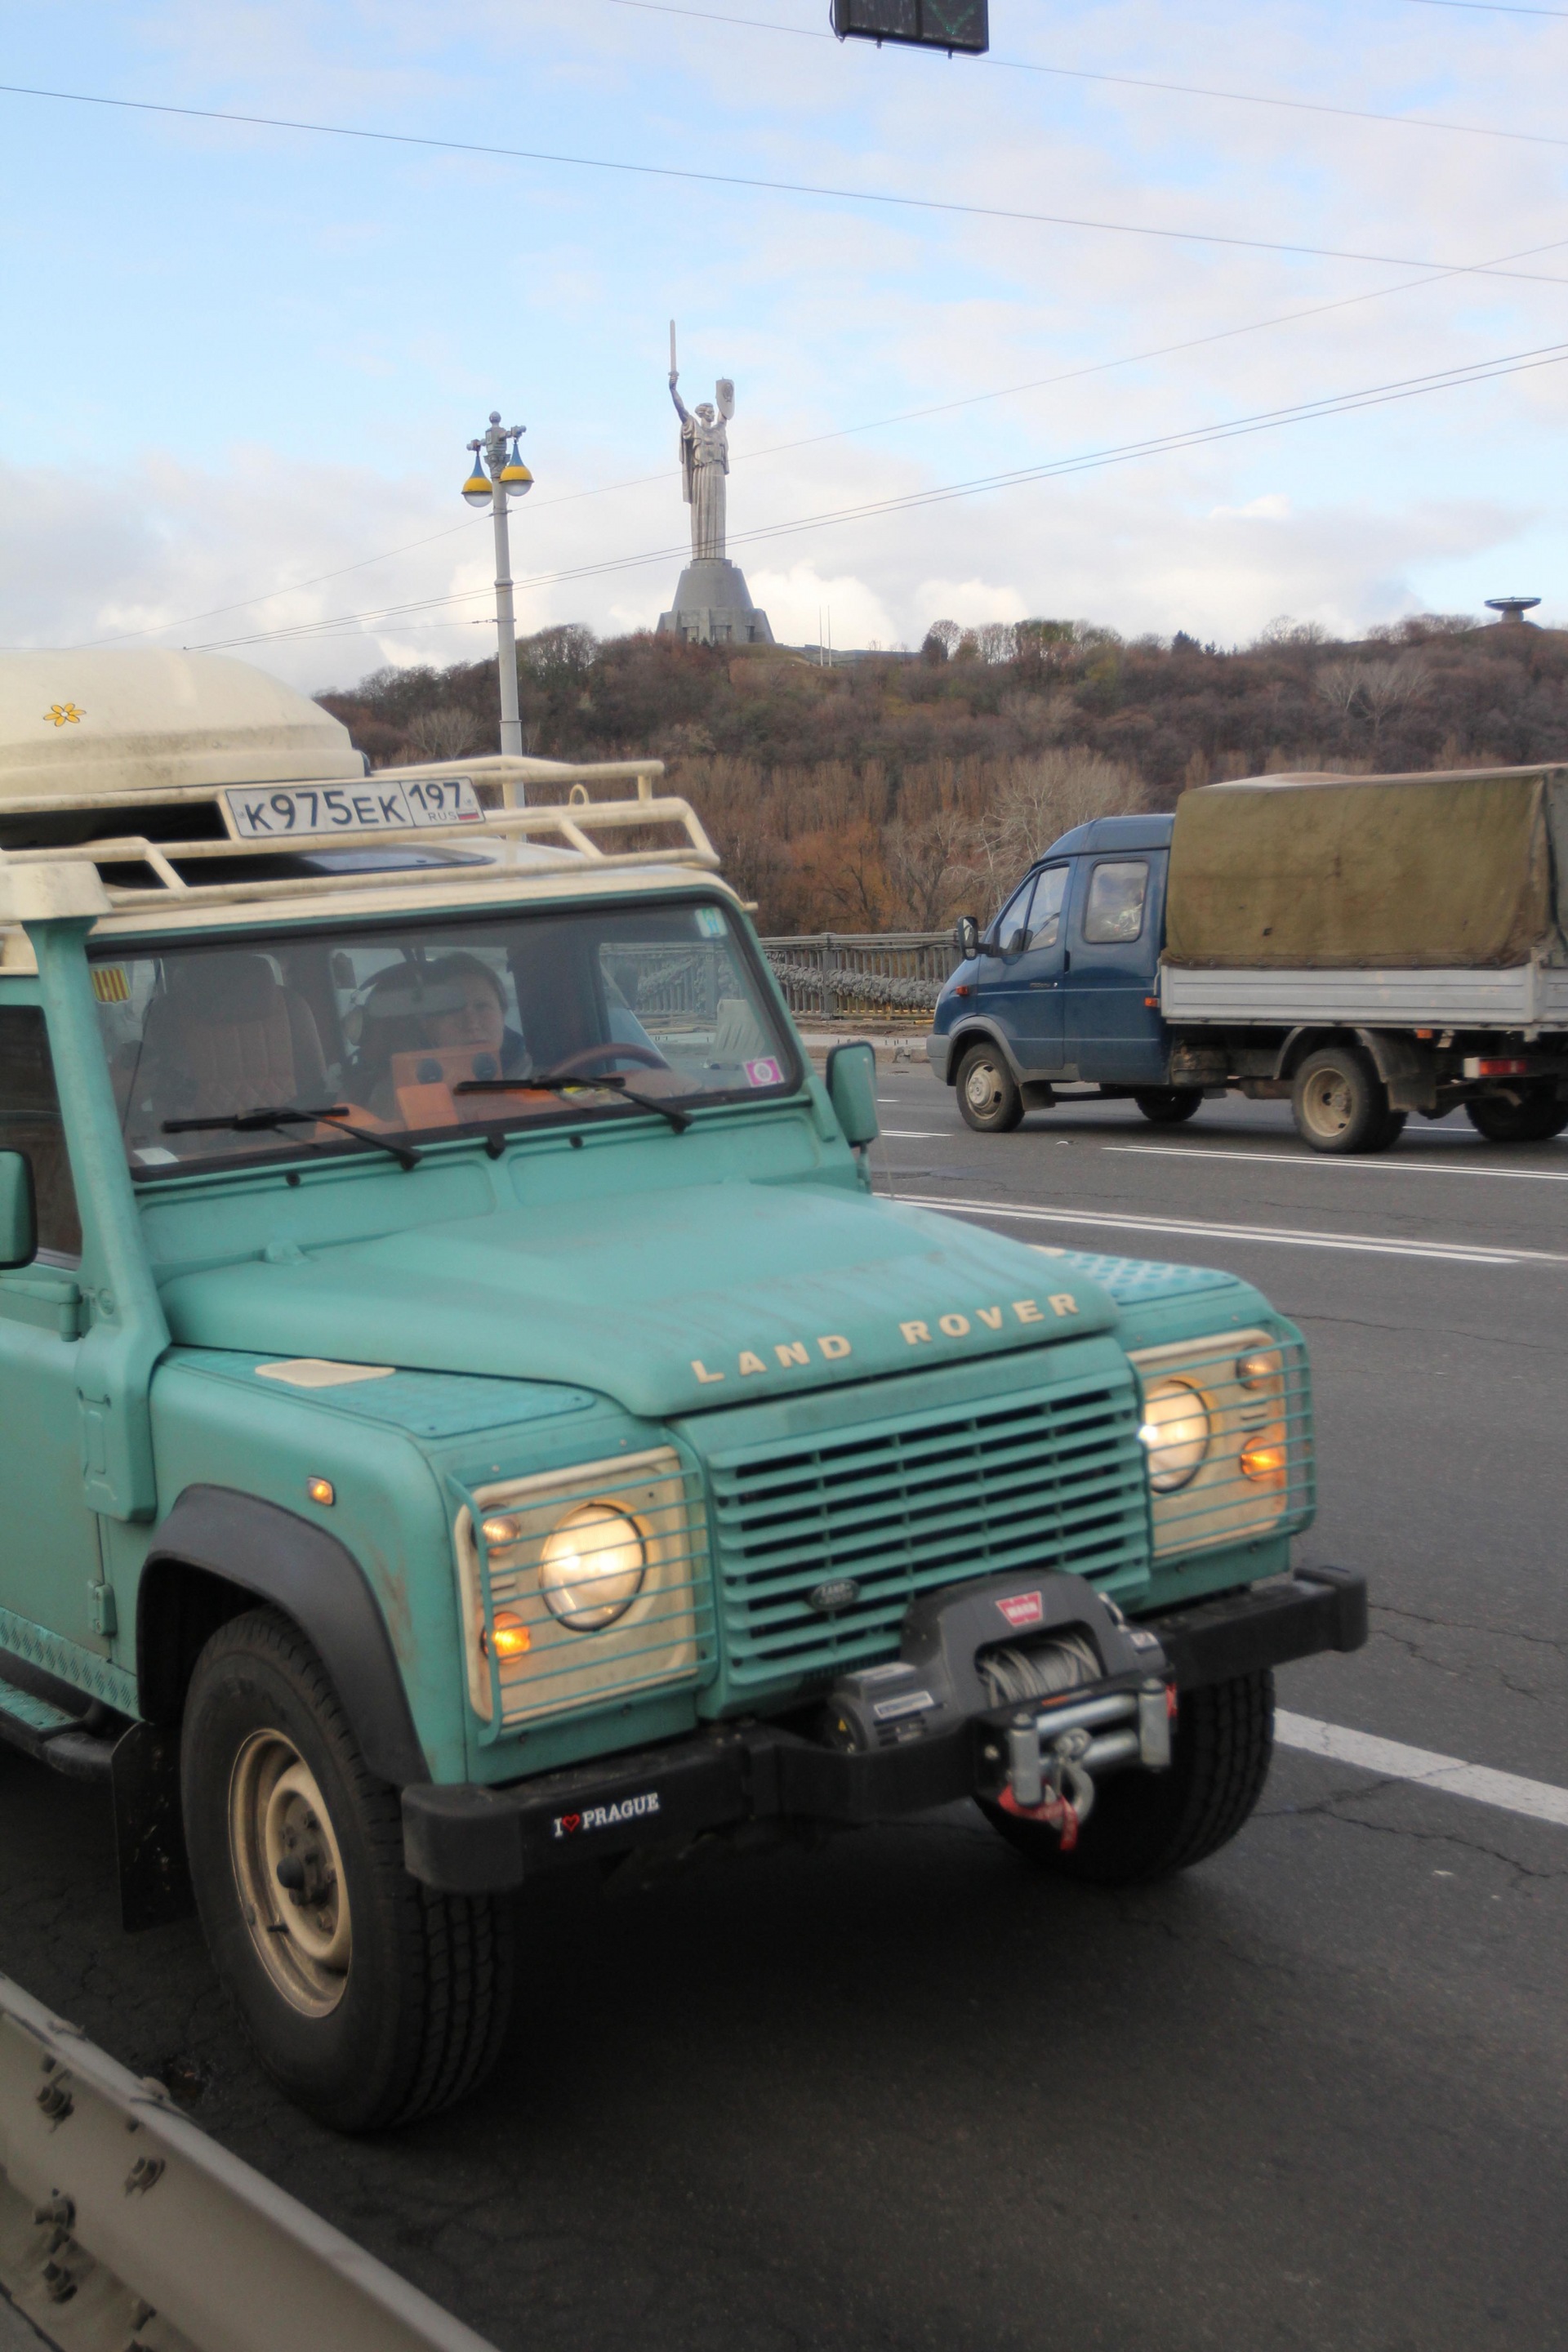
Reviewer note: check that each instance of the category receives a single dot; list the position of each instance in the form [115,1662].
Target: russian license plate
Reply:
[381,804]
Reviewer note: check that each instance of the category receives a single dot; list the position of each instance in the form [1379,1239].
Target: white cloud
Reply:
[804,608]
[1272,507]
[276,346]
[970,603]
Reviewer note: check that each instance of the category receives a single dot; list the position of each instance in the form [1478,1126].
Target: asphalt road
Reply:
[897,2093]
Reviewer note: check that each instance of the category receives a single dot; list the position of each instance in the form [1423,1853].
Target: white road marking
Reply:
[1283,1236]
[1392,1761]
[916,1134]
[1392,1166]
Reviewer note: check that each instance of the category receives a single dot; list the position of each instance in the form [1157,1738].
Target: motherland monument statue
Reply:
[712,604]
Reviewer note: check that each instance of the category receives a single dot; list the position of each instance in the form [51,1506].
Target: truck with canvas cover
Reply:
[1364,947]
[464,1413]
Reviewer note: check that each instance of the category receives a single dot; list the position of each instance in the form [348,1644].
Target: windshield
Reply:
[415,1030]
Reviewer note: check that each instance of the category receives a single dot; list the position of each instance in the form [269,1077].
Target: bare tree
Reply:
[443,733]
[1338,684]
[1284,629]
[947,634]
[1375,690]
[928,867]
[1042,798]
[997,641]
[1391,685]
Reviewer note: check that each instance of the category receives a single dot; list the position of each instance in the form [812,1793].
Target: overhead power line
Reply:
[768,186]
[1492,9]
[1196,436]
[1141,81]
[845,432]
[290,588]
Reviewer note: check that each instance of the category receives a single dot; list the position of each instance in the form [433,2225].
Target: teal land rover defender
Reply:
[465,1413]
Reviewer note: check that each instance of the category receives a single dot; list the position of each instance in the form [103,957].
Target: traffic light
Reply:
[922,24]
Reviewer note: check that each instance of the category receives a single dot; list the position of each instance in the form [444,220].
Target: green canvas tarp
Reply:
[1424,872]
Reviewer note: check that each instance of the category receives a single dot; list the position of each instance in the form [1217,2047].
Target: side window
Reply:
[1046,914]
[1014,917]
[30,1122]
[1114,913]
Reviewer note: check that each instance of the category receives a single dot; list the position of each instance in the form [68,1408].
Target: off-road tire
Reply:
[1536,1120]
[988,1095]
[1168,1105]
[426,1991]
[1147,1824]
[1340,1103]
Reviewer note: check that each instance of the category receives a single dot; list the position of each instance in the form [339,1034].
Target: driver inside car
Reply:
[452,1012]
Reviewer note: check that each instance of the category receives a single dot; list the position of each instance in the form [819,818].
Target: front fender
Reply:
[301,1570]
[977,1031]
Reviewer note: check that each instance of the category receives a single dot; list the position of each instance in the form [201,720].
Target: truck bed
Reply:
[1523,997]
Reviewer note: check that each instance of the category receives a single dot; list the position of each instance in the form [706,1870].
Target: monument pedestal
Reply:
[713,607]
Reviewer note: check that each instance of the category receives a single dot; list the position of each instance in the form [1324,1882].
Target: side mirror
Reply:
[966,937]
[852,1090]
[18,1212]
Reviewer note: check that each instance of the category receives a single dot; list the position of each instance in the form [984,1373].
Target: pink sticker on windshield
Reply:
[763,1073]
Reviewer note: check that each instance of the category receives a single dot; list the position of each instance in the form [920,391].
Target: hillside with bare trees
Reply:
[885,792]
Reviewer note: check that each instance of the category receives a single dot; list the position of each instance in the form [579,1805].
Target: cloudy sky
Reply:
[242,362]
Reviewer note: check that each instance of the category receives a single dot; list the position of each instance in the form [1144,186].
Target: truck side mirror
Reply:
[852,1090]
[966,937]
[18,1212]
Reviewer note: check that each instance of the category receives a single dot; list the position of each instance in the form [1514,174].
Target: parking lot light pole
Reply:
[508,478]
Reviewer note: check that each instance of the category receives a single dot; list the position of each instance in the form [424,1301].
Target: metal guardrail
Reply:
[838,975]
[123,2225]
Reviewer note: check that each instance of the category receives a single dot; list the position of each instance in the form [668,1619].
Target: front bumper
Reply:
[939,1050]
[467,1840]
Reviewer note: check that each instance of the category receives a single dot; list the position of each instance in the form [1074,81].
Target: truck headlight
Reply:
[584,1587]
[591,1567]
[1227,1434]
[1177,1432]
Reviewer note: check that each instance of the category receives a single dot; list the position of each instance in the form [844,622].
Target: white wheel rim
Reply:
[303,1933]
[983,1089]
[1326,1102]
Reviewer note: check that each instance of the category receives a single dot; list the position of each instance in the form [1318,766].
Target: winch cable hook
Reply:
[1035,1790]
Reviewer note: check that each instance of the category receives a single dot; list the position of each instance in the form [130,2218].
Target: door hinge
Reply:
[103,1614]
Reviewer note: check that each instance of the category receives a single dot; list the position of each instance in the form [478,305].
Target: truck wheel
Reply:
[1534,1120]
[988,1093]
[367,1997]
[1168,1105]
[1147,1824]
[1340,1102]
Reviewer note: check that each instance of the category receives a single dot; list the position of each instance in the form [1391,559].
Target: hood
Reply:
[693,1298]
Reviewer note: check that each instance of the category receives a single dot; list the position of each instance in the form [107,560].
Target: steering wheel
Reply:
[589,1055]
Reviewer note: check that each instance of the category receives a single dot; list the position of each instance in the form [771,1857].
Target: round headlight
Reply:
[592,1566]
[1177,1433]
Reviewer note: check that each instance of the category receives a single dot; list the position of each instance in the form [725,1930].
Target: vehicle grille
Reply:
[1050,1477]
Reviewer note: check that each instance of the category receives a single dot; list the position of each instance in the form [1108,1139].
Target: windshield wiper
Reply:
[258,1122]
[558,1082]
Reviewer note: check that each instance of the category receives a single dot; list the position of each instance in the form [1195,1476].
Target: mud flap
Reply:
[149,1835]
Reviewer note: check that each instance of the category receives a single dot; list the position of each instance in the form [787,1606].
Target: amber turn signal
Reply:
[1266,1459]
[320,1490]
[509,1636]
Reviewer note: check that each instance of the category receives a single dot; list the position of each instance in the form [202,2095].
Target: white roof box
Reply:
[74,726]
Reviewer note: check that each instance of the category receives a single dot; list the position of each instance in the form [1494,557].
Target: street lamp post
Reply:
[507,478]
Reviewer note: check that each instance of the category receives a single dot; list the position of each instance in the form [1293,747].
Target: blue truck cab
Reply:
[1063,988]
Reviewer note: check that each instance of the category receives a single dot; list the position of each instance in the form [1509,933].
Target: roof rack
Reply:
[562,833]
